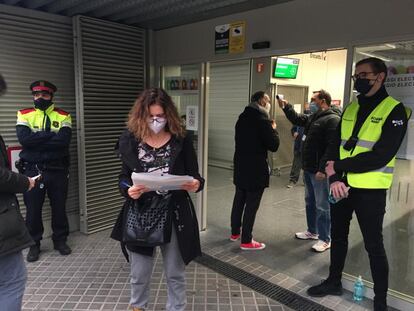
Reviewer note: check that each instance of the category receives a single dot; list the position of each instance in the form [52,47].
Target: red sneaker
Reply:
[252,246]
[234,237]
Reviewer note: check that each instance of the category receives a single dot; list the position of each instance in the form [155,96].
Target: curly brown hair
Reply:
[139,113]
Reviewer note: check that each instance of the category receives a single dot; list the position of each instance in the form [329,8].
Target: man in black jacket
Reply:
[360,171]
[255,135]
[319,133]
[13,232]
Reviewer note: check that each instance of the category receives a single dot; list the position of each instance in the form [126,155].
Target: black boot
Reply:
[380,304]
[327,287]
[62,247]
[33,254]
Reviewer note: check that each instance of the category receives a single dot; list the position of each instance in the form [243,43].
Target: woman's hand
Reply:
[191,186]
[136,191]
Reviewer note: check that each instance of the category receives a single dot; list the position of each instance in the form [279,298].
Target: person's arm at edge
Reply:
[11,182]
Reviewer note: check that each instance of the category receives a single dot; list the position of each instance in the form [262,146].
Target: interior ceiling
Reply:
[389,51]
[152,14]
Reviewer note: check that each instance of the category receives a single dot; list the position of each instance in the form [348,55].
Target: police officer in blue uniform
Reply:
[44,132]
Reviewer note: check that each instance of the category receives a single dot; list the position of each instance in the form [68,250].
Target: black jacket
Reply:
[183,162]
[13,233]
[254,137]
[320,132]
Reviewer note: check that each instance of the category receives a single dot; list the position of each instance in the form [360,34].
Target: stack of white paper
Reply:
[160,182]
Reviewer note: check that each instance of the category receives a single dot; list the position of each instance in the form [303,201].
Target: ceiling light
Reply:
[385,59]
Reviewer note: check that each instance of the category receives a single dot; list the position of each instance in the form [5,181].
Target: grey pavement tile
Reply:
[96,277]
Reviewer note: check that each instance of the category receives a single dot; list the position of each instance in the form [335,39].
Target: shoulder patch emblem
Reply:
[55,124]
[27,110]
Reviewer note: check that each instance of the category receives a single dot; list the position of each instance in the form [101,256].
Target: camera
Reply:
[350,143]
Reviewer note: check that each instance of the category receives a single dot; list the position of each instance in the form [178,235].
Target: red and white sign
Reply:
[13,155]
[259,67]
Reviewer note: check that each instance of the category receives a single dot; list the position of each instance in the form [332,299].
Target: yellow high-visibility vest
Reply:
[368,135]
[35,119]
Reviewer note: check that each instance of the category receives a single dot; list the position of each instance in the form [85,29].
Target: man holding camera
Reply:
[44,132]
[363,159]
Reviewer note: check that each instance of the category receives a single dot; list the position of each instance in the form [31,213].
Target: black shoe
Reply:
[380,304]
[63,248]
[33,254]
[327,287]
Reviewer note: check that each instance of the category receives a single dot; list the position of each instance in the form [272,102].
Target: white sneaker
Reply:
[321,246]
[291,184]
[306,235]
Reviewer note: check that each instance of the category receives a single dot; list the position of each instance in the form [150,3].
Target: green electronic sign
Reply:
[286,68]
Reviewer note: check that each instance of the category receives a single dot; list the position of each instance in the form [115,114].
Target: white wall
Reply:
[327,73]
[293,27]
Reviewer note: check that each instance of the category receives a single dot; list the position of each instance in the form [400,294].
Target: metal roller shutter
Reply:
[228,95]
[110,64]
[36,46]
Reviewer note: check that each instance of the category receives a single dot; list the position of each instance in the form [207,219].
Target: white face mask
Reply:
[157,124]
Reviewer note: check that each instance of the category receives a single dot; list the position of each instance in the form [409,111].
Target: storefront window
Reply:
[399,218]
[183,84]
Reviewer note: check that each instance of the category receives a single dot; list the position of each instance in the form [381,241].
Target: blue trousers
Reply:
[13,276]
[317,206]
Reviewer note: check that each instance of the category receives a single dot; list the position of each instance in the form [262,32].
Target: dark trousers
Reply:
[55,184]
[245,204]
[369,207]
[296,166]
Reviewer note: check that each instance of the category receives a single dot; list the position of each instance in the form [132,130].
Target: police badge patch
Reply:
[55,124]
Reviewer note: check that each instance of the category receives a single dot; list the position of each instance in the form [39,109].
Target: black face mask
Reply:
[362,86]
[42,103]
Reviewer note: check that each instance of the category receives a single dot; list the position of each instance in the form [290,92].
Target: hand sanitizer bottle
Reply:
[358,289]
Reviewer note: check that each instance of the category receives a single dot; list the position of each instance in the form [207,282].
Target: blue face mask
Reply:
[313,107]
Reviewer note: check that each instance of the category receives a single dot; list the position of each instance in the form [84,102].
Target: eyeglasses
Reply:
[157,118]
[361,75]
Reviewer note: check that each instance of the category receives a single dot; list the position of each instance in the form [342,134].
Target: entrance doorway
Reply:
[282,210]
[297,94]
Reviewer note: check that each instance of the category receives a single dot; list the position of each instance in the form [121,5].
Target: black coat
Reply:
[13,233]
[254,137]
[320,132]
[183,162]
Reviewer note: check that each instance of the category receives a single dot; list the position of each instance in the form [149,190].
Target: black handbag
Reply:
[146,219]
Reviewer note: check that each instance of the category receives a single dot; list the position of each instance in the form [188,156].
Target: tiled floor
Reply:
[227,253]
[96,277]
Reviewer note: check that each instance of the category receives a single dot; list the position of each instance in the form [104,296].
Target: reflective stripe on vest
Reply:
[368,135]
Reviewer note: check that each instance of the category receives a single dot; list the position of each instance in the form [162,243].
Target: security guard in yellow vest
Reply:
[44,133]
[361,170]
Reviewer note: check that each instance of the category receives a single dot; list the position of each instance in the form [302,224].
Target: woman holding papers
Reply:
[155,141]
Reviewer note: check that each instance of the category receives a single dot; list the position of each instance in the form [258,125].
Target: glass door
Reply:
[185,84]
